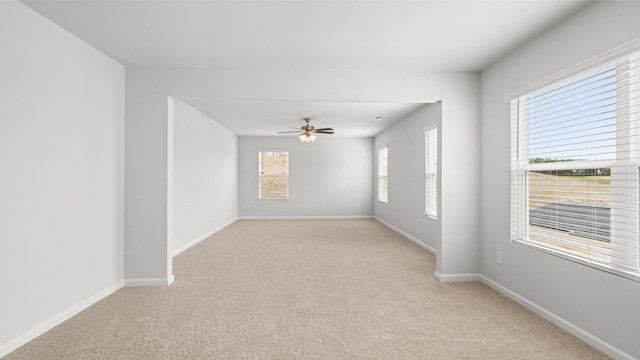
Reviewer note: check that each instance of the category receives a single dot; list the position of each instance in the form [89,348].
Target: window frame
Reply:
[261,174]
[380,170]
[431,173]
[626,162]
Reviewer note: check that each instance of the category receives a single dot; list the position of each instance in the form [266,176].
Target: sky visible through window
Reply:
[575,170]
[573,123]
[575,120]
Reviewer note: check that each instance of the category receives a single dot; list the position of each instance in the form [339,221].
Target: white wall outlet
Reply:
[255,206]
[417,222]
[321,206]
[499,257]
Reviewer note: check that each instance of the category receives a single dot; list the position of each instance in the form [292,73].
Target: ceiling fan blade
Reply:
[308,129]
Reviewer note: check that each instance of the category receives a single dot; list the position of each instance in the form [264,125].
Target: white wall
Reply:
[405,209]
[603,305]
[62,182]
[333,171]
[205,176]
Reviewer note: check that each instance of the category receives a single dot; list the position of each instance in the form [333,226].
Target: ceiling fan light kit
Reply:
[308,132]
[306,137]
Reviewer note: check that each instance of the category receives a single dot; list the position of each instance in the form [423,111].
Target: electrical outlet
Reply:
[321,206]
[417,222]
[499,257]
[255,206]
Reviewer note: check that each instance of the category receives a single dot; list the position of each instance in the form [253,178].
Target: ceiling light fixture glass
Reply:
[307,137]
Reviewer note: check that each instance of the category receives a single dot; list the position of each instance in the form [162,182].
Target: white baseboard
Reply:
[350,217]
[456,277]
[190,244]
[42,328]
[437,275]
[149,282]
[569,327]
[418,242]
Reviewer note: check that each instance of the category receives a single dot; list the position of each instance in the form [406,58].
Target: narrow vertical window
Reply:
[383,174]
[273,170]
[431,172]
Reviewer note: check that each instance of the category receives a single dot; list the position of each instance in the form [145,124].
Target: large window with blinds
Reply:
[431,172]
[383,174]
[575,150]
[273,170]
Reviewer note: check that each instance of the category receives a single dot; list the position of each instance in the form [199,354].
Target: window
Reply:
[431,172]
[383,174]
[575,168]
[273,167]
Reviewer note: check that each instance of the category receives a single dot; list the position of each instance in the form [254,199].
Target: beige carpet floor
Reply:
[311,289]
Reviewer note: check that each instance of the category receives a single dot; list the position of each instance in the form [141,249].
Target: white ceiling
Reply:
[267,117]
[391,35]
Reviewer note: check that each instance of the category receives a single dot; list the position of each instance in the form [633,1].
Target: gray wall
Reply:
[148,251]
[599,303]
[405,208]
[61,140]
[331,177]
[205,176]
[62,165]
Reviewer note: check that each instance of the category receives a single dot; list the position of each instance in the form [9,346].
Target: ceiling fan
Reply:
[308,131]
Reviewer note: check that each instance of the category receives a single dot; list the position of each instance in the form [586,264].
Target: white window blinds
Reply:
[383,174]
[431,172]
[575,168]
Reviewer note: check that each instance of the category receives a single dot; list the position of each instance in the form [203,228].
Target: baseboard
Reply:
[569,327]
[149,282]
[418,242]
[456,277]
[348,217]
[57,320]
[437,275]
[190,244]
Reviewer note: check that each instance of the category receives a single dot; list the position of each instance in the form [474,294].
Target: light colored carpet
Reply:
[311,289]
